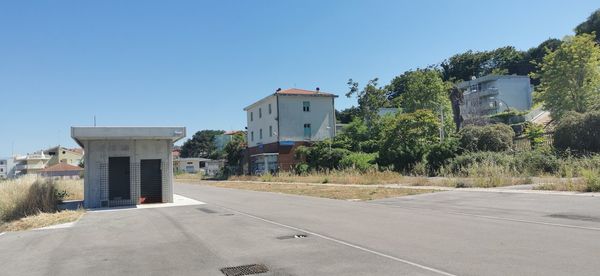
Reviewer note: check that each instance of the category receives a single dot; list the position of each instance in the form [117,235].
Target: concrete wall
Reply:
[257,123]
[97,153]
[292,117]
[516,92]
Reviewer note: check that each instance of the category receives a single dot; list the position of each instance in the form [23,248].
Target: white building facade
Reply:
[127,165]
[492,94]
[284,120]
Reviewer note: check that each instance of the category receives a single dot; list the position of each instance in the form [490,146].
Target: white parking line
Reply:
[492,217]
[527,221]
[431,269]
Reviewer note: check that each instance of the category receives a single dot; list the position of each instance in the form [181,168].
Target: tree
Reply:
[234,153]
[357,136]
[591,25]
[321,155]
[570,77]
[370,99]
[456,99]
[422,89]
[347,115]
[407,138]
[535,56]
[502,61]
[578,132]
[498,137]
[202,145]
[419,89]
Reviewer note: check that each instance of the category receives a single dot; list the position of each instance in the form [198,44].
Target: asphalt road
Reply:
[446,233]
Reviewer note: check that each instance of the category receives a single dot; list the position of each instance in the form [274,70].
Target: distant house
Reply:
[204,166]
[31,163]
[7,168]
[492,94]
[189,165]
[62,171]
[60,154]
[284,120]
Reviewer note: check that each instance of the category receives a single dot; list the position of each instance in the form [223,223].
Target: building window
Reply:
[260,134]
[269,108]
[1,169]
[307,132]
[252,136]
[270,131]
[306,106]
[251,116]
[260,113]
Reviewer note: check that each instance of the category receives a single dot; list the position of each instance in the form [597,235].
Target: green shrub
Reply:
[360,161]
[578,132]
[301,169]
[498,137]
[440,154]
[592,180]
[536,162]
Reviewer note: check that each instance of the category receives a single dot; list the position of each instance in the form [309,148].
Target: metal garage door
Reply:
[151,181]
[119,187]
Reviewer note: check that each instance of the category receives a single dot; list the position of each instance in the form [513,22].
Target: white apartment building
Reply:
[492,94]
[281,121]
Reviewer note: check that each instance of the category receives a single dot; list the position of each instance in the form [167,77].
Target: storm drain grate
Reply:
[297,236]
[205,210]
[226,215]
[245,270]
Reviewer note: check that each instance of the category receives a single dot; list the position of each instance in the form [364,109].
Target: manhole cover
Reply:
[245,270]
[205,210]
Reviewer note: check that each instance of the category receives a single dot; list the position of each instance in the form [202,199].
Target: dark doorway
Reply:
[151,181]
[119,187]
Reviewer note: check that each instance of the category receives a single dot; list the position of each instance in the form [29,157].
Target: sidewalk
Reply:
[520,189]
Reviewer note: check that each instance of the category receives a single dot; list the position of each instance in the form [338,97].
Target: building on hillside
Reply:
[222,139]
[60,154]
[31,163]
[284,120]
[62,171]
[492,94]
[127,165]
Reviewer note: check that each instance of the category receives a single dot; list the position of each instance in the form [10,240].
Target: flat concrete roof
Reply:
[126,133]
[466,84]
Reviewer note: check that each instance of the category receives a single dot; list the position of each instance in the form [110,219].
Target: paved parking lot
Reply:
[446,233]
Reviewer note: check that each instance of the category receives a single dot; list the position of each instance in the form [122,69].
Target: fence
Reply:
[524,144]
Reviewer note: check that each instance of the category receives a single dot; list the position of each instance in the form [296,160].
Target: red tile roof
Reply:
[296,91]
[62,167]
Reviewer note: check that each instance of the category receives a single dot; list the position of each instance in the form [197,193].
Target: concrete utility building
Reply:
[127,165]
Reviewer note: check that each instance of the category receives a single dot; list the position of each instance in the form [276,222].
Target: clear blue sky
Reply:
[198,63]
